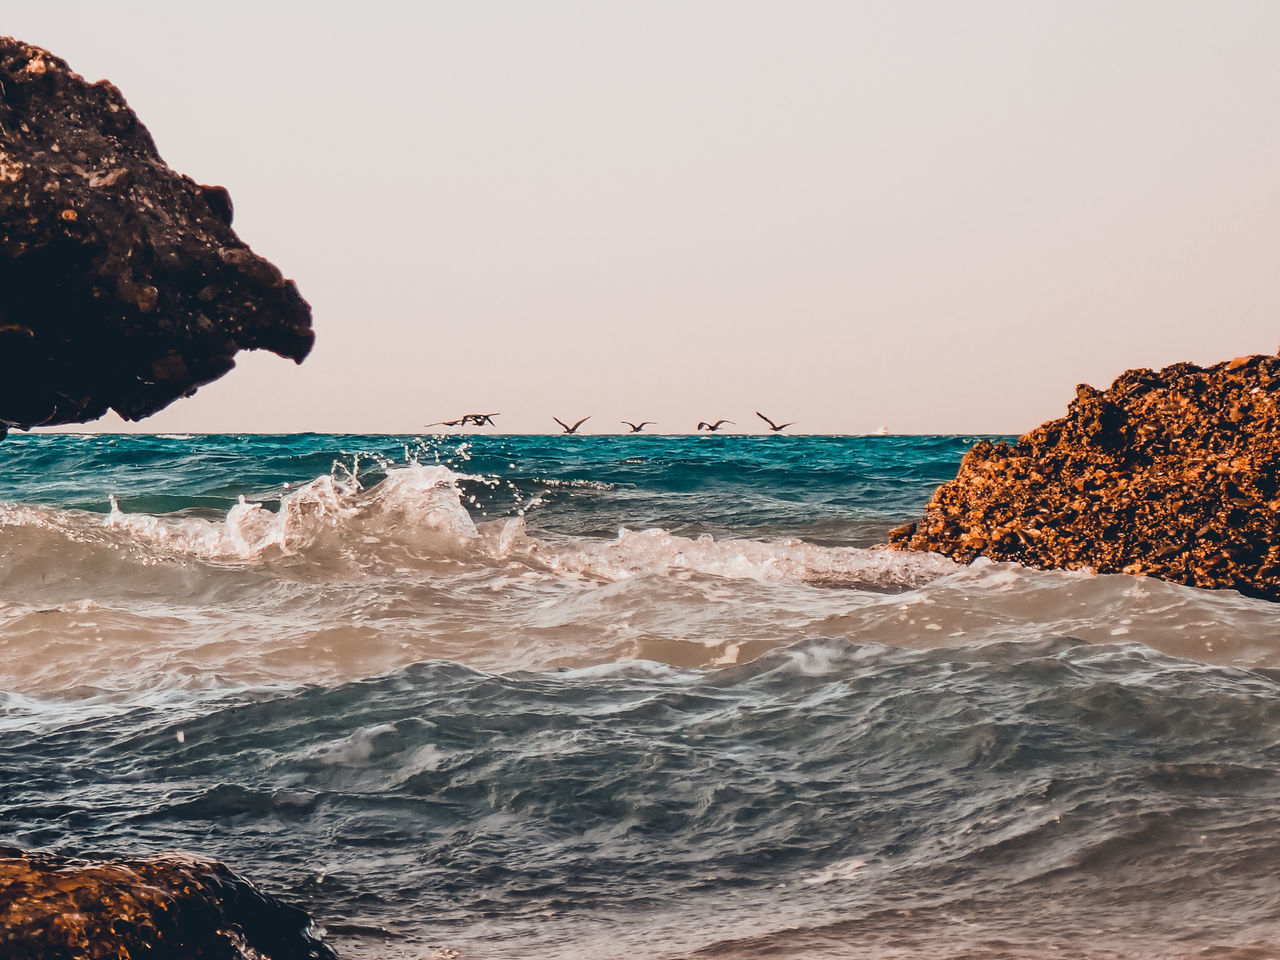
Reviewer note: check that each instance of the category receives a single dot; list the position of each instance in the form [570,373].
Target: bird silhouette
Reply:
[775,427]
[569,429]
[637,427]
[480,419]
[713,427]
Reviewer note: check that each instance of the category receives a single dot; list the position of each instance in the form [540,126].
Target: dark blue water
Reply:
[625,697]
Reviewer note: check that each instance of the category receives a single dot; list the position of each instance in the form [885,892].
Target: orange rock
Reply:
[162,908]
[1154,457]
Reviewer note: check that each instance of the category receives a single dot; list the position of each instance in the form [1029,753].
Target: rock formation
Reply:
[122,284]
[162,908]
[1174,474]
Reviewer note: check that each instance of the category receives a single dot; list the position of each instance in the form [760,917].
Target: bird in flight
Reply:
[775,427]
[713,427]
[569,429]
[637,427]
[476,419]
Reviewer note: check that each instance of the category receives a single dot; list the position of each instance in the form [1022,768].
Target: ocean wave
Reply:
[829,786]
[344,580]
[457,710]
[425,507]
[407,501]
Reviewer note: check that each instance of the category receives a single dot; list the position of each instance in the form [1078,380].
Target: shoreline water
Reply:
[585,697]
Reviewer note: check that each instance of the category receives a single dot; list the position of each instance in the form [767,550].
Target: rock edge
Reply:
[124,286]
[1172,474]
[161,908]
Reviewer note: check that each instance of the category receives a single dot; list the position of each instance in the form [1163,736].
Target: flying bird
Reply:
[480,419]
[637,427]
[775,427]
[713,427]
[569,429]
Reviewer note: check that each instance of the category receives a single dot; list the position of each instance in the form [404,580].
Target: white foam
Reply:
[356,749]
[410,498]
[841,870]
[420,509]
[658,552]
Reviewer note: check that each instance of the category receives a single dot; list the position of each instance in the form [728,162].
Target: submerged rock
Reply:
[122,284]
[160,908]
[1172,474]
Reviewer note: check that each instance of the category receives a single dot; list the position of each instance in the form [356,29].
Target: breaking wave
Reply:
[419,511]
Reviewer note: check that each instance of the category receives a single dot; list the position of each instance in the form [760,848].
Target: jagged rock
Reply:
[1174,474]
[160,908]
[122,284]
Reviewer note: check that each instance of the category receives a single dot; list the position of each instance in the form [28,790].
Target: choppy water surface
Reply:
[643,697]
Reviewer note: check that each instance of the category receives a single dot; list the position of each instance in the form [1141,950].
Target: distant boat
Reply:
[881,432]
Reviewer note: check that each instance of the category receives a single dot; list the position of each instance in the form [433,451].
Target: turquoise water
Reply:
[641,697]
[766,483]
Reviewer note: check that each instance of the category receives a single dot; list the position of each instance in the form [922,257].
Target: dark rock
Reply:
[159,908]
[122,284]
[1172,474]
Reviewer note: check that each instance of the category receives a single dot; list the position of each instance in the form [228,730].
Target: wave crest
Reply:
[418,512]
[408,500]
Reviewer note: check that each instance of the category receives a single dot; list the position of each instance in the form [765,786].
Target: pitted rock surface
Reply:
[159,908]
[1172,474]
[122,284]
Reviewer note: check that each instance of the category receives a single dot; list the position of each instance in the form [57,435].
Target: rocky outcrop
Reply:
[122,284]
[162,908]
[1172,474]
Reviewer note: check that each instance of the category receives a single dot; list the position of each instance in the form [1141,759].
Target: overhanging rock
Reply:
[122,284]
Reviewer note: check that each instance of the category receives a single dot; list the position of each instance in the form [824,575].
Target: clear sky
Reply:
[934,216]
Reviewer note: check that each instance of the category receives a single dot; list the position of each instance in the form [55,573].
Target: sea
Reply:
[643,697]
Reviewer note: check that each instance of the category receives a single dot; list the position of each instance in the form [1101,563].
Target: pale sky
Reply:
[933,216]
